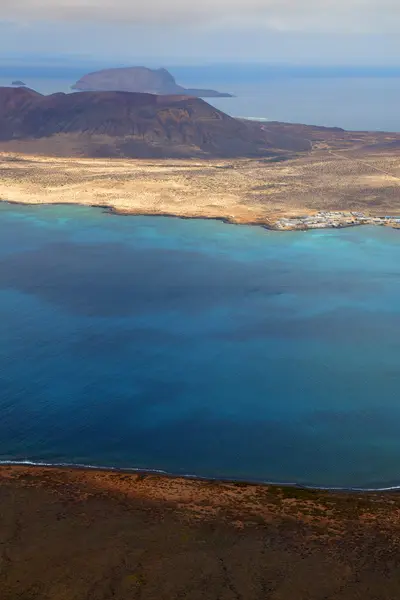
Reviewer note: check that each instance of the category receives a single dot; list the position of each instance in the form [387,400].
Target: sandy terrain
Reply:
[76,535]
[241,191]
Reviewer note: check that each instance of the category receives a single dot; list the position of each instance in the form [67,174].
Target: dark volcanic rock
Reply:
[14,103]
[139,79]
[133,124]
[16,98]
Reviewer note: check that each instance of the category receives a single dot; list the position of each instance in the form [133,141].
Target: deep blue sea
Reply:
[201,348]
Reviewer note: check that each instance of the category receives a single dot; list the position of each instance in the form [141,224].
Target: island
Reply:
[140,79]
[18,83]
[177,155]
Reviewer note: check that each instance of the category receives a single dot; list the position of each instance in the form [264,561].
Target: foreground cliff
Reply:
[73,535]
[125,124]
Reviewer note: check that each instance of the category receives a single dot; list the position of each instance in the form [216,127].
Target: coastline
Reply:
[379,221]
[314,192]
[112,210]
[164,486]
[358,490]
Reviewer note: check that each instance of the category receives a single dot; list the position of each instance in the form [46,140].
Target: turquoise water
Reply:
[200,348]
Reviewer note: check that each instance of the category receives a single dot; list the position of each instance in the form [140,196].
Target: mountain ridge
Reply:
[130,124]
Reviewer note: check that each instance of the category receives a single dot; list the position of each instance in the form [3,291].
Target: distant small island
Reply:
[140,79]
[18,83]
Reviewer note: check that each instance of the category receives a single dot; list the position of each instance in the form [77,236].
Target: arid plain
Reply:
[343,172]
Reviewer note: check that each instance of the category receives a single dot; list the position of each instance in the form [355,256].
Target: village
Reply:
[328,219]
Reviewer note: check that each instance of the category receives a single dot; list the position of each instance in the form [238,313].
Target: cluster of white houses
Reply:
[324,219]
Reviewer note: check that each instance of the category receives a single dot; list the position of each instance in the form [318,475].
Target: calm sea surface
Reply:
[199,348]
[354,104]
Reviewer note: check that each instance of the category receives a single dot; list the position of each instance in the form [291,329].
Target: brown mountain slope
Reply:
[131,125]
[16,98]
[14,102]
[333,138]
[139,79]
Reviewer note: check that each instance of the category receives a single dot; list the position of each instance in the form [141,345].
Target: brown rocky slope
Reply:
[125,124]
[89,535]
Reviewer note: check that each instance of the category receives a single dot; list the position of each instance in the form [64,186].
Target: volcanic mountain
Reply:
[125,124]
[139,79]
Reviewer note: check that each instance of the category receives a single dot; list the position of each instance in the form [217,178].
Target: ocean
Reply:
[199,348]
[353,99]
[355,104]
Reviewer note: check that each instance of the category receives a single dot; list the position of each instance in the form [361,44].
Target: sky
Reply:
[161,33]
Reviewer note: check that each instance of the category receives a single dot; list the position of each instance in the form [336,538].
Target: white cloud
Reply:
[279,15]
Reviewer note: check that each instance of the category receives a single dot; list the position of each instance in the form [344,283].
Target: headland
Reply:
[69,533]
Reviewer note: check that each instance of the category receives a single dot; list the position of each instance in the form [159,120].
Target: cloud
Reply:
[279,15]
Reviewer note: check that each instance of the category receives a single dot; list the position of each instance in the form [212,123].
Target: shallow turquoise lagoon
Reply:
[200,348]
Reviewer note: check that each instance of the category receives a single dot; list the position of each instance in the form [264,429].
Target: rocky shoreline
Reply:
[321,220]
